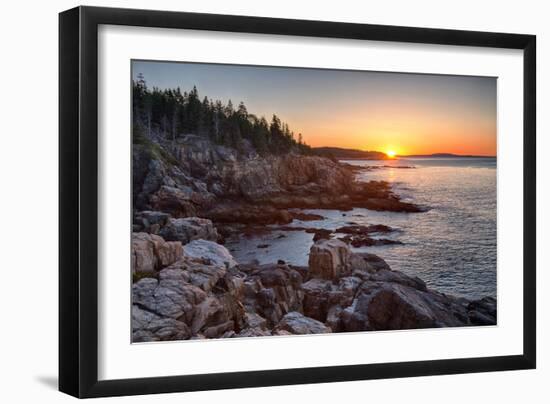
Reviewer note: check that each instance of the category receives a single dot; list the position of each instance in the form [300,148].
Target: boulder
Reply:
[385,275]
[255,321]
[306,217]
[320,234]
[333,319]
[317,294]
[272,291]
[392,205]
[170,296]
[198,272]
[253,332]
[151,252]
[320,295]
[230,301]
[363,240]
[210,315]
[210,252]
[167,252]
[143,255]
[483,311]
[219,330]
[151,221]
[190,298]
[395,306]
[281,333]
[365,262]
[188,229]
[329,259]
[296,323]
[170,199]
[148,326]
[278,275]
[357,229]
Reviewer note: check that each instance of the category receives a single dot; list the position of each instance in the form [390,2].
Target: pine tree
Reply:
[172,113]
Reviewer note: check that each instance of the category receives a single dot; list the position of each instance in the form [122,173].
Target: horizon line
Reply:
[407,155]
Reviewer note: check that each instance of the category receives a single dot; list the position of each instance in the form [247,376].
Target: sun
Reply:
[391,154]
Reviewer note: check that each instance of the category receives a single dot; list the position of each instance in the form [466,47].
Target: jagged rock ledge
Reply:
[197,178]
[203,293]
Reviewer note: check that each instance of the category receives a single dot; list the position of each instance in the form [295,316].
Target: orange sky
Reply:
[404,112]
[406,129]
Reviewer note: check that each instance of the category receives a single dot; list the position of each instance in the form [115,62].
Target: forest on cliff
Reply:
[171,113]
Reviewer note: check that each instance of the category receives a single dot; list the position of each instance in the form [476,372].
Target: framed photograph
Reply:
[251,201]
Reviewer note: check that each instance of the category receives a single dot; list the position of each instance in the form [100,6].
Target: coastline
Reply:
[206,294]
[188,285]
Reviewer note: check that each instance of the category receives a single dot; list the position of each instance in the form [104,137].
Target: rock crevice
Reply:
[207,295]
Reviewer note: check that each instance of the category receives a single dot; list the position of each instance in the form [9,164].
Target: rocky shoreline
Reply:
[191,194]
[193,178]
[203,293]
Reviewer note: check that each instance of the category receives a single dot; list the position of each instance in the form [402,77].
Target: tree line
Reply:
[172,114]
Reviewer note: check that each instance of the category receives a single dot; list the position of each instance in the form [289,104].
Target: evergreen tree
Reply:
[170,114]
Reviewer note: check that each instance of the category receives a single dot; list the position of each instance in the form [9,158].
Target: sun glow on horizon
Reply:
[397,114]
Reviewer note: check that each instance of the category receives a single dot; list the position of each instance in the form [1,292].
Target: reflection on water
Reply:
[452,247]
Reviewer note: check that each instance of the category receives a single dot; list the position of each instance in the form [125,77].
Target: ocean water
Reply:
[452,246]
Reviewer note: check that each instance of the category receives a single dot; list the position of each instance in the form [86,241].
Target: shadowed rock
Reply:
[366,241]
[175,201]
[363,230]
[306,216]
[204,296]
[148,326]
[297,323]
[391,306]
[170,297]
[272,291]
[151,221]
[192,176]
[189,229]
[483,311]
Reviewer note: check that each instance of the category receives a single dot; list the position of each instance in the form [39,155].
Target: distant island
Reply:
[342,153]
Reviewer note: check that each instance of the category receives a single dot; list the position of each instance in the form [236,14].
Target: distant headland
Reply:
[343,153]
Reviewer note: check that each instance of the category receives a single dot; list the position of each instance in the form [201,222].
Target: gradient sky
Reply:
[406,113]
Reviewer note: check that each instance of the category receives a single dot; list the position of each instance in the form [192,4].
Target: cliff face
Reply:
[195,177]
[225,172]
[262,178]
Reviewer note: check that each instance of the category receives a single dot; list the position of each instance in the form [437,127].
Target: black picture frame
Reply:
[78,201]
